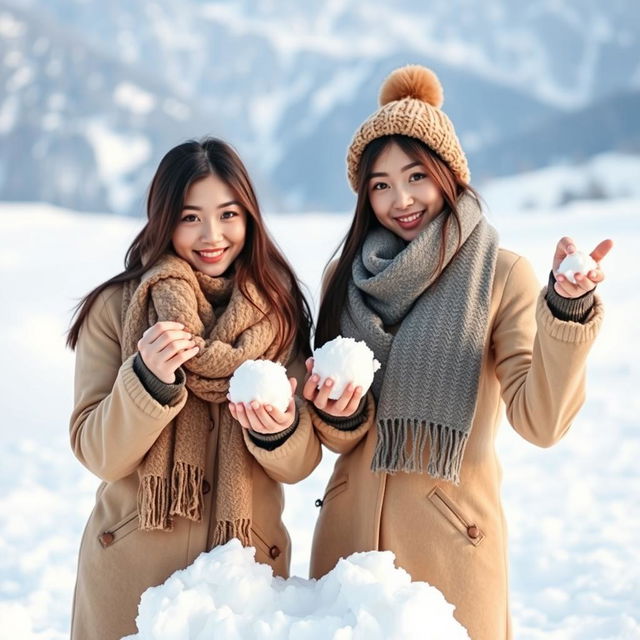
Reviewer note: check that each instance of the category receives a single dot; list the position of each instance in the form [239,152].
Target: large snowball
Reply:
[577,262]
[345,360]
[263,381]
[226,594]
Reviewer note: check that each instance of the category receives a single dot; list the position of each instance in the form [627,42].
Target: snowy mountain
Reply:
[610,124]
[106,90]
[78,126]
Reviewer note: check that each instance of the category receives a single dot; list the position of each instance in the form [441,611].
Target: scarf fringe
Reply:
[153,504]
[186,491]
[227,529]
[401,445]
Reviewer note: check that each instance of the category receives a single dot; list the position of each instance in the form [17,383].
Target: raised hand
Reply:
[584,281]
[164,347]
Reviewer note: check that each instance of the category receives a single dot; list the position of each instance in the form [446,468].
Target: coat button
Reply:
[472,531]
[106,539]
[211,425]
[318,502]
[274,552]
[206,487]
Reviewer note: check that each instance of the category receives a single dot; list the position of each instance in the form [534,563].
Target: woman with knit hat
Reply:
[460,327]
[204,289]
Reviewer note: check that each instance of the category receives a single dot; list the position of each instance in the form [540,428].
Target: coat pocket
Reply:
[452,512]
[119,530]
[335,488]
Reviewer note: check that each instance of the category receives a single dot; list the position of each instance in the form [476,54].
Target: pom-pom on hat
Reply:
[410,100]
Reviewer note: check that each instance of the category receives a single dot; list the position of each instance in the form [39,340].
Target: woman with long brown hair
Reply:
[460,327]
[204,289]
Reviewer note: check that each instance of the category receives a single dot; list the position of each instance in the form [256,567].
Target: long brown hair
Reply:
[364,219]
[260,260]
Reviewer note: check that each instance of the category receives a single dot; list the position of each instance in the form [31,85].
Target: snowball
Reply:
[263,381]
[344,360]
[577,262]
[226,594]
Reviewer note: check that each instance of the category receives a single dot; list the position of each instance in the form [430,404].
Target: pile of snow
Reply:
[226,594]
[264,381]
[345,360]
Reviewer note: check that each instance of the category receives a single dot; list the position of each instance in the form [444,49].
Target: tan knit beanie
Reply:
[410,101]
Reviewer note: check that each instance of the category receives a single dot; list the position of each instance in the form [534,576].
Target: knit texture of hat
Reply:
[410,101]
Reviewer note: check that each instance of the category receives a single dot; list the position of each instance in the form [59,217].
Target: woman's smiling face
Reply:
[212,228]
[403,197]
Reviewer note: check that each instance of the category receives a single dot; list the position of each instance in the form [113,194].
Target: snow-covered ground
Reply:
[573,510]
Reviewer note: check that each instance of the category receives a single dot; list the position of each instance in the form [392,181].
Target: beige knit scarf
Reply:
[229,329]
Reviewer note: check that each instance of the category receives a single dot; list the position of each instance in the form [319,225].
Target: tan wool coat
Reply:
[455,537]
[114,423]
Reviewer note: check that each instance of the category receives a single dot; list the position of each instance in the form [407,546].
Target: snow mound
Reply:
[226,594]
[345,360]
[261,380]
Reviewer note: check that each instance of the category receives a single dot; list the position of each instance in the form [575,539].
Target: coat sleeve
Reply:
[115,421]
[540,360]
[340,440]
[296,458]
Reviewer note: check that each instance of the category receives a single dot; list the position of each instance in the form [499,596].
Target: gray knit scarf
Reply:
[427,387]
